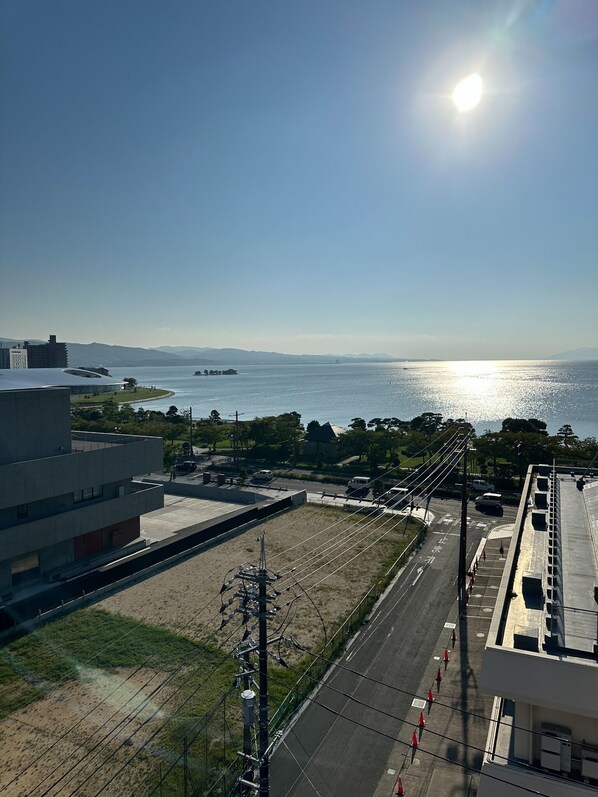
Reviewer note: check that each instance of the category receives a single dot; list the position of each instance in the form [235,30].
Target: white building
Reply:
[14,357]
[541,660]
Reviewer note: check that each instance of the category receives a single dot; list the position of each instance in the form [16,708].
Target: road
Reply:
[331,755]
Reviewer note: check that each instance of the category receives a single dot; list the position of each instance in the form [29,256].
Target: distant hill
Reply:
[576,354]
[241,356]
[101,354]
[92,354]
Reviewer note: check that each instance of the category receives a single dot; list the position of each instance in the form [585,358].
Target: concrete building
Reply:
[14,357]
[541,658]
[65,498]
[47,355]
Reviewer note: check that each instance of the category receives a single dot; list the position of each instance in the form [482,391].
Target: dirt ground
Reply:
[316,541]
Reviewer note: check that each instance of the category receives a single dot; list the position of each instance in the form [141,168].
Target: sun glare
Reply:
[468,93]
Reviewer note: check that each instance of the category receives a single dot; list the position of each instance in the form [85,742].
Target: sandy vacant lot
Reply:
[320,543]
[314,540]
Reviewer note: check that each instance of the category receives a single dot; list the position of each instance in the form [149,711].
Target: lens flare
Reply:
[468,93]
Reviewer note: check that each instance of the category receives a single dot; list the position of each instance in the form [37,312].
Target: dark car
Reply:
[186,467]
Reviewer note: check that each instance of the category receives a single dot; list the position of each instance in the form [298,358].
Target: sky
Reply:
[293,176]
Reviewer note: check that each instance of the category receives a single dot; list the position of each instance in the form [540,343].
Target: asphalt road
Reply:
[330,755]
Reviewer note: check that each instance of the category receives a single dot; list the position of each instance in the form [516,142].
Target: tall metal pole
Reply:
[461,587]
[191,433]
[263,673]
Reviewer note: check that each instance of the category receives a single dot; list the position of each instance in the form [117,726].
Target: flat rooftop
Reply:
[552,607]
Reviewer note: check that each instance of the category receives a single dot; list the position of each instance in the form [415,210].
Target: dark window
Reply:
[87,494]
[22,511]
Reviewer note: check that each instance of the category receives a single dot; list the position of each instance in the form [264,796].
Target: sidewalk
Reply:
[450,748]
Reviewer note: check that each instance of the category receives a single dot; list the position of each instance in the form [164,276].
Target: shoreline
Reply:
[166,395]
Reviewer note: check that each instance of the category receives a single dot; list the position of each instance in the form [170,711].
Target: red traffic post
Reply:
[454,637]
[430,695]
[438,676]
[446,658]
[400,790]
[414,740]
[422,721]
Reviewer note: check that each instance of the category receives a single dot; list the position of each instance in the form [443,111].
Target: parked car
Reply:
[263,476]
[396,497]
[186,467]
[480,486]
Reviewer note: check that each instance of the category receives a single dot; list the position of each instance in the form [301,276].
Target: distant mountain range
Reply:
[245,356]
[576,354]
[101,354]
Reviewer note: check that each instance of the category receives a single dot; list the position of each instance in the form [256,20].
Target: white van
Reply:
[489,501]
[262,476]
[359,483]
[396,497]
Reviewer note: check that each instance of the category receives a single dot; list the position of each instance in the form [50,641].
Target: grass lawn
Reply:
[121,396]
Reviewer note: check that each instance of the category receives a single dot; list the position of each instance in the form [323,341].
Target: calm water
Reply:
[484,392]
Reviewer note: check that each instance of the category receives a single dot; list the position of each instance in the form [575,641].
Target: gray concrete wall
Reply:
[38,479]
[56,556]
[213,493]
[35,424]
[81,519]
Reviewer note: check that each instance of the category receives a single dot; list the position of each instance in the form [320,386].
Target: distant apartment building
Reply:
[65,498]
[47,355]
[14,357]
[541,658]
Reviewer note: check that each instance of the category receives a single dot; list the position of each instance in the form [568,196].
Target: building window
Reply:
[88,493]
[22,511]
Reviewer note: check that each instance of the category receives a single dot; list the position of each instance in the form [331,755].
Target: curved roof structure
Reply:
[78,380]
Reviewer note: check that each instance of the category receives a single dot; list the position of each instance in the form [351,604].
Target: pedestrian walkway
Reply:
[440,747]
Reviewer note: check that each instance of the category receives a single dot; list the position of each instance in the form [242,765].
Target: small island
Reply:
[227,372]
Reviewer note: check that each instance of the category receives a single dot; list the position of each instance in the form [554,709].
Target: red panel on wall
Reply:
[96,542]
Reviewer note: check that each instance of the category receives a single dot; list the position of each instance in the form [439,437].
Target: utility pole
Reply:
[263,581]
[461,586]
[236,441]
[255,595]
[191,433]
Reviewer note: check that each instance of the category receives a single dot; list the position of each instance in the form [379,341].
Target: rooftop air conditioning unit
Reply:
[555,748]
[589,763]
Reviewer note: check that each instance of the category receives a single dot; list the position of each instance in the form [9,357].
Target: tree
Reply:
[215,416]
[110,410]
[566,434]
[355,441]
[131,383]
[172,413]
[376,424]
[517,425]
[289,428]
[212,434]
[357,423]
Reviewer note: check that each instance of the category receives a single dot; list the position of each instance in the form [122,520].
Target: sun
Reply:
[468,93]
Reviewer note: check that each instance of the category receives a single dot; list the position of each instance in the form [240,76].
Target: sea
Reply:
[483,392]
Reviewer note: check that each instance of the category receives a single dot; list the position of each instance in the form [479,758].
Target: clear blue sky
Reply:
[293,176]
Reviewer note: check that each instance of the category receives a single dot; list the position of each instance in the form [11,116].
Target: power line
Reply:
[87,757]
[356,512]
[348,518]
[358,528]
[427,752]
[107,697]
